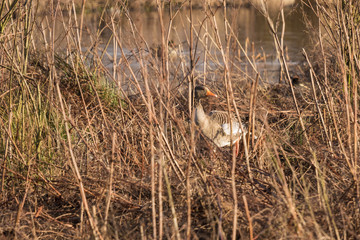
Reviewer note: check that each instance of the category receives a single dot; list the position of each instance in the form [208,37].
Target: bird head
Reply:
[202,92]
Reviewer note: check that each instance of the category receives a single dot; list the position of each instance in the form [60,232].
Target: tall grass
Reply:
[92,151]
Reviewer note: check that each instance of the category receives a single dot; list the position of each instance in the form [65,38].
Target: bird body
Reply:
[173,51]
[216,125]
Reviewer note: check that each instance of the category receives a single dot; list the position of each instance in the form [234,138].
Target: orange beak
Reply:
[208,93]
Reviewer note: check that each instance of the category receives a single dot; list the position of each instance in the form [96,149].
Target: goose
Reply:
[216,125]
[172,51]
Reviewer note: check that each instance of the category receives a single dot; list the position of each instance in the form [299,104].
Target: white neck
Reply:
[201,118]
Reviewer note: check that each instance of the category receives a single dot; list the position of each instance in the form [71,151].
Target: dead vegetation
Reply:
[89,151]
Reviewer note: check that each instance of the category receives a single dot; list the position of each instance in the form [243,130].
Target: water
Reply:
[251,30]
[249,26]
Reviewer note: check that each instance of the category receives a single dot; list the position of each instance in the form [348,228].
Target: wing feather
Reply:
[222,118]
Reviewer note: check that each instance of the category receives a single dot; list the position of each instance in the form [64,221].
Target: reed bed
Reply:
[99,142]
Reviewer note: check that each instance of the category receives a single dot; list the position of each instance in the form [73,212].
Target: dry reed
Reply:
[96,151]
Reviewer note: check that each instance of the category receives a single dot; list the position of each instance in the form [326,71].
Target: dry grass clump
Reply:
[112,152]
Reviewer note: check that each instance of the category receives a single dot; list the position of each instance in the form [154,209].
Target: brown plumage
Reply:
[216,125]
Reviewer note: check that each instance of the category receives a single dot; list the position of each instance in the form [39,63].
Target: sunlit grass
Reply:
[88,151]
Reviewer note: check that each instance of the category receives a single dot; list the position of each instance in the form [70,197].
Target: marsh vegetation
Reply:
[98,139]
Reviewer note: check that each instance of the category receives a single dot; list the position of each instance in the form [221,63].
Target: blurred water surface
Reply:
[248,24]
[139,30]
